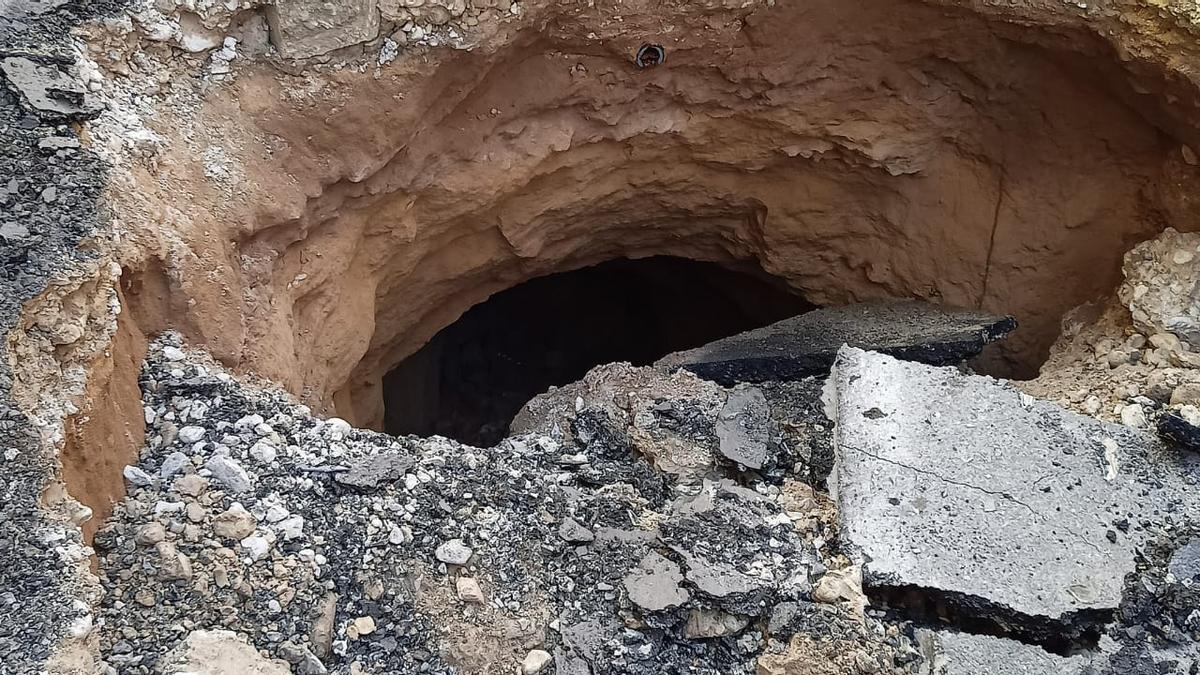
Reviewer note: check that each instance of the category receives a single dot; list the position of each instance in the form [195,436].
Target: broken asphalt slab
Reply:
[1009,509]
[52,94]
[807,344]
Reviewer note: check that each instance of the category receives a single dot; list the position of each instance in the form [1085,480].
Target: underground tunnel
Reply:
[474,375]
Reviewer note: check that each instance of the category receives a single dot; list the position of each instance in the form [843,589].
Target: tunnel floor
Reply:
[470,380]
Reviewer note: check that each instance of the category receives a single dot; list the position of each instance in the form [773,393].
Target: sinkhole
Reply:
[469,381]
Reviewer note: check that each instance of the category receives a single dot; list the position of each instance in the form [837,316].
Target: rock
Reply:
[952,653]
[290,528]
[256,548]
[137,477]
[454,552]
[712,623]
[56,143]
[172,565]
[234,523]
[264,452]
[220,652]
[655,584]
[1187,393]
[1175,427]
[191,485]
[172,465]
[963,486]
[369,472]
[363,625]
[229,473]
[1133,415]
[535,662]
[842,586]
[303,29]
[469,591]
[53,95]
[191,434]
[1161,279]
[743,428]
[150,534]
[173,354]
[1185,562]
[807,344]
[570,530]
[321,635]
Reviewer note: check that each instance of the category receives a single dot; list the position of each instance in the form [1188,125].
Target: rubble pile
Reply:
[333,548]
[649,521]
[1136,359]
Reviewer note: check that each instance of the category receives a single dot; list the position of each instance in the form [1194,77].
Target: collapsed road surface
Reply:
[280,203]
[649,521]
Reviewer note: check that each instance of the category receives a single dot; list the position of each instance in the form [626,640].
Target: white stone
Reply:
[137,477]
[264,452]
[536,662]
[191,434]
[229,474]
[454,552]
[257,548]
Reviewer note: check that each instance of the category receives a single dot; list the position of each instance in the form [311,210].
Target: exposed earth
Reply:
[846,337]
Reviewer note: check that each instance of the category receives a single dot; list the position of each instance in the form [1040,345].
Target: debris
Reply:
[964,487]
[954,653]
[654,585]
[743,430]
[536,662]
[1161,276]
[454,552]
[807,344]
[52,94]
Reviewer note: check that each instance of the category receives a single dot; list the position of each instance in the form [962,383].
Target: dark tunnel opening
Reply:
[473,377]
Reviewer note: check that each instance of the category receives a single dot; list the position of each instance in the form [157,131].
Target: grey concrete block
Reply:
[951,653]
[807,344]
[965,487]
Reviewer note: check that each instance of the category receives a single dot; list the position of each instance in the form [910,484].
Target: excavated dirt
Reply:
[316,222]
[337,219]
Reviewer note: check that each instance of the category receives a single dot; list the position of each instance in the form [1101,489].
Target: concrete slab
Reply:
[1008,507]
[807,344]
[952,653]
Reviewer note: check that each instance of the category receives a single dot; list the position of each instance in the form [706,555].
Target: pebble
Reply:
[469,590]
[1133,415]
[229,473]
[137,477]
[150,534]
[256,548]
[234,523]
[363,625]
[572,531]
[263,452]
[191,485]
[173,565]
[191,434]
[173,464]
[536,661]
[454,552]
